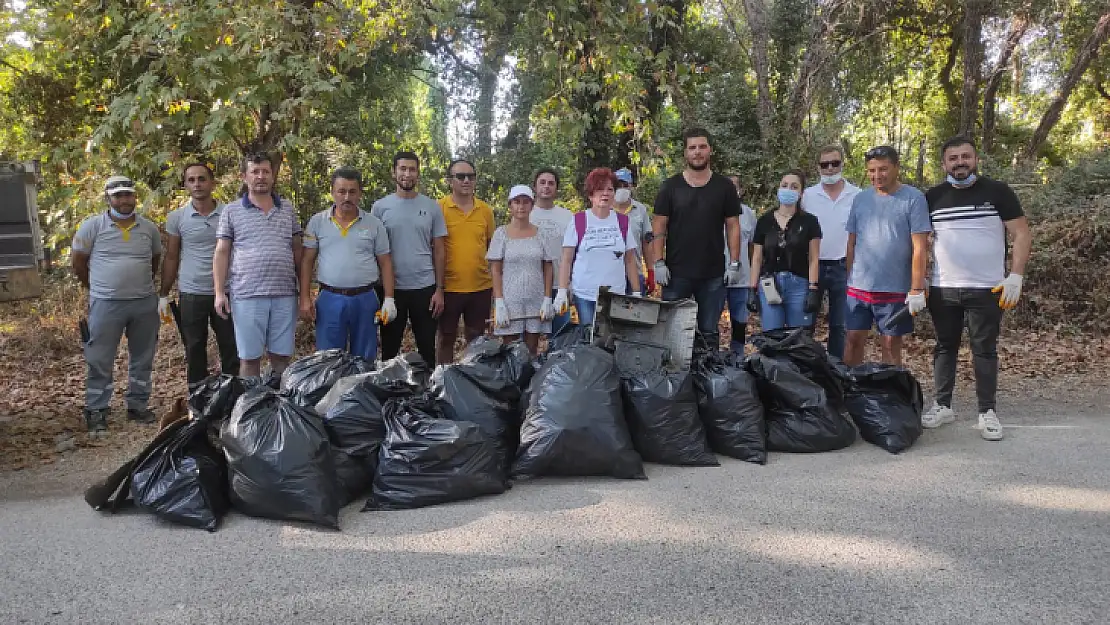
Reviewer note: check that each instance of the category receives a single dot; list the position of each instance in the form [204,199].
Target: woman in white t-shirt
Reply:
[596,250]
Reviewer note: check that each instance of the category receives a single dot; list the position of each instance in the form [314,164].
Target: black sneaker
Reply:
[145,415]
[97,422]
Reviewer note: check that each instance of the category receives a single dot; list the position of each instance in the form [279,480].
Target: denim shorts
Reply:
[863,316]
[264,324]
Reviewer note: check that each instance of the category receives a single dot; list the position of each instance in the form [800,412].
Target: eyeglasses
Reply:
[463,177]
[883,151]
[828,164]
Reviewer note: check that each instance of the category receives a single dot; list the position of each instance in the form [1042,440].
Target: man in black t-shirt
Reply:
[972,216]
[690,210]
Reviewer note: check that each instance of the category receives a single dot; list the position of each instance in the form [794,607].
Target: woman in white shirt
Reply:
[596,250]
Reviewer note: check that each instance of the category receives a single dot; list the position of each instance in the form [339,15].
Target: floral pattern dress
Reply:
[522,262]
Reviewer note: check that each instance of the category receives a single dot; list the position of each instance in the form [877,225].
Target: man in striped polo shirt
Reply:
[972,216]
[259,237]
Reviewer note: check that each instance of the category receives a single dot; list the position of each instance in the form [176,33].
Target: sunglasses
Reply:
[463,177]
[883,151]
[828,164]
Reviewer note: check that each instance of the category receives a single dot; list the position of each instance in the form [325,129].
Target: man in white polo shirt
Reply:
[831,202]
[352,248]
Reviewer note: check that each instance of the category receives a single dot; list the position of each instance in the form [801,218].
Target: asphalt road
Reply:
[957,530]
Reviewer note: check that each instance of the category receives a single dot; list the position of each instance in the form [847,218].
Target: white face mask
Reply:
[622,196]
[831,179]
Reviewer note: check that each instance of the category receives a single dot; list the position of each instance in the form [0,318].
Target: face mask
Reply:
[118,215]
[788,197]
[622,195]
[831,178]
[966,182]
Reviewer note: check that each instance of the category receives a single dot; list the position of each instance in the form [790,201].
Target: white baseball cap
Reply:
[119,184]
[521,189]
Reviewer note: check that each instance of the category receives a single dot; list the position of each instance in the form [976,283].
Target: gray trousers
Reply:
[953,309]
[110,319]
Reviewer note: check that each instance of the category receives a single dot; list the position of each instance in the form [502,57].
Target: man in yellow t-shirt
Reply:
[468,287]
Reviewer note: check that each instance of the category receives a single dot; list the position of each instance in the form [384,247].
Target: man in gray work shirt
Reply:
[115,256]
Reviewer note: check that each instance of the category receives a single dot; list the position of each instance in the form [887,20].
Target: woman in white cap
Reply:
[520,263]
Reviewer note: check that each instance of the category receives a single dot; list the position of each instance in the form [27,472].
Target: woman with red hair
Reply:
[596,249]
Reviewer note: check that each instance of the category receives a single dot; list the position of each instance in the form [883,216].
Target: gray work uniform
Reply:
[121,301]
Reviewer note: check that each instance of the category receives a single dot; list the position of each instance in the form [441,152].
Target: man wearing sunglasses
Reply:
[831,201]
[468,285]
[115,257]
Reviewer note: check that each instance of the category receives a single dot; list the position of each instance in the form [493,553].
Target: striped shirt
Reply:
[969,247]
[261,247]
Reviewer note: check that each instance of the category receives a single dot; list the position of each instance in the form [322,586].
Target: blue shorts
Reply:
[264,324]
[862,316]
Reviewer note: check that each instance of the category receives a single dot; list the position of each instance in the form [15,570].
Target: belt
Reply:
[839,261]
[358,290]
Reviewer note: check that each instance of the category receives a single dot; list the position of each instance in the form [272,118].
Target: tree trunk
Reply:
[1082,60]
[756,13]
[973,64]
[1018,26]
[945,75]
[489,68]
[813,62]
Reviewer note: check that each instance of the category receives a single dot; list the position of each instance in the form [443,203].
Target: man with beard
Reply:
[689,208]
[190,246]
[115,257]
[552,221]
[353,251]
[416,240]
[972,216]
[259,240]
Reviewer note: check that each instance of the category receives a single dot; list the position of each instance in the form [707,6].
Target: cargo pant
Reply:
[110,319]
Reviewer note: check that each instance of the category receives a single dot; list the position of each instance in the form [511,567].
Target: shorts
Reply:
[264,324]
[862,316]
[474,308]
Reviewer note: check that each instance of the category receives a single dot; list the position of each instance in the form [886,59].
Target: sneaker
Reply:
[97,422]
[989,426]
[937,416]
[144,415]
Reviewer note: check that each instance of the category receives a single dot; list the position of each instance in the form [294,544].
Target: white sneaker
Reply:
[937,416]
[989,426]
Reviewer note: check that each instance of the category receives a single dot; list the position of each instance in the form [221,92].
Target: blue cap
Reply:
[624,175]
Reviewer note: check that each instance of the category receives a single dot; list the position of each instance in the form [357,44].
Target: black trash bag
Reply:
[113,493]
[799,417]
[461,397]
[730,408]
[185,480]
[428,460]
[408,368]
[215,397]
[810,357]
[886,405]
[279,460]
[310,378]
[568,336]
[353,474]
[662,412]
[504,369]
[354,420]
[574,423]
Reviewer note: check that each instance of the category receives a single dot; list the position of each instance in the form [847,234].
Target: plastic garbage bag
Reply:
[279,460]
[113,492]
[354,475]
[568,336]
[505,369]
[810,357]
[799,417]
[886,405]
[354,419]
[574,423]
[310,378]
[662,412]
[428,460]
[215,397]
[185,480]
[730,408]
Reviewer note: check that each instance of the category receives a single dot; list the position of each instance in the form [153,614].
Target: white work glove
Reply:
[560,304]
[500,313]
[547,311]
[662,274]
[732,275]
[636,294]
[915,302]
[167,315]
[388,311]
[1011,291]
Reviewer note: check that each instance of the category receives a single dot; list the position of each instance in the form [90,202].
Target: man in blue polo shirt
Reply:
[115,256]
[353,252]
[259,239]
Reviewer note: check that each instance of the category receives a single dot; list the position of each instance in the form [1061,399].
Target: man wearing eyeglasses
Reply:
[888,238]
[352,248]
[115,257]
[468,285]
[191,245]
[831,202]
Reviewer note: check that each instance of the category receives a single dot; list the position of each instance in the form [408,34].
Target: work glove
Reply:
[651,280]
[388,311]
[636,294]
[547,311]
[561,302]
[500,313]
[1011,291]
[732,275]
[167,315]
[813,301]
[915,302]
[753,300]
[662,274]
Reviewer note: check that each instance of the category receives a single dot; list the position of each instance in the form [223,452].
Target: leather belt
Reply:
[358,290]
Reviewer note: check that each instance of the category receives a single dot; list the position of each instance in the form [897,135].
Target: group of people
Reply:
[246,268]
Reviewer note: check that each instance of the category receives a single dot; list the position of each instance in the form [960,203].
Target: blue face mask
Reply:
[966,182]
[118,215]
[788,197]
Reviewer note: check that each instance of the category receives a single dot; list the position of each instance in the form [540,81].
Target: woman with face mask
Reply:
[785,254]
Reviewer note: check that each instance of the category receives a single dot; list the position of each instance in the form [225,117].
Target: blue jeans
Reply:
[559,321]
[347,322]
[710,296]
[791,312]
[833,280]
[586,309]
[737,300]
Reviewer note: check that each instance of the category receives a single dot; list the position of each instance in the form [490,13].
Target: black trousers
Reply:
[197,314]
[412,307]
[952,309]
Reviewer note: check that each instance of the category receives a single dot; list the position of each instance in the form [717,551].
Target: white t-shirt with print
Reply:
[600,258]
